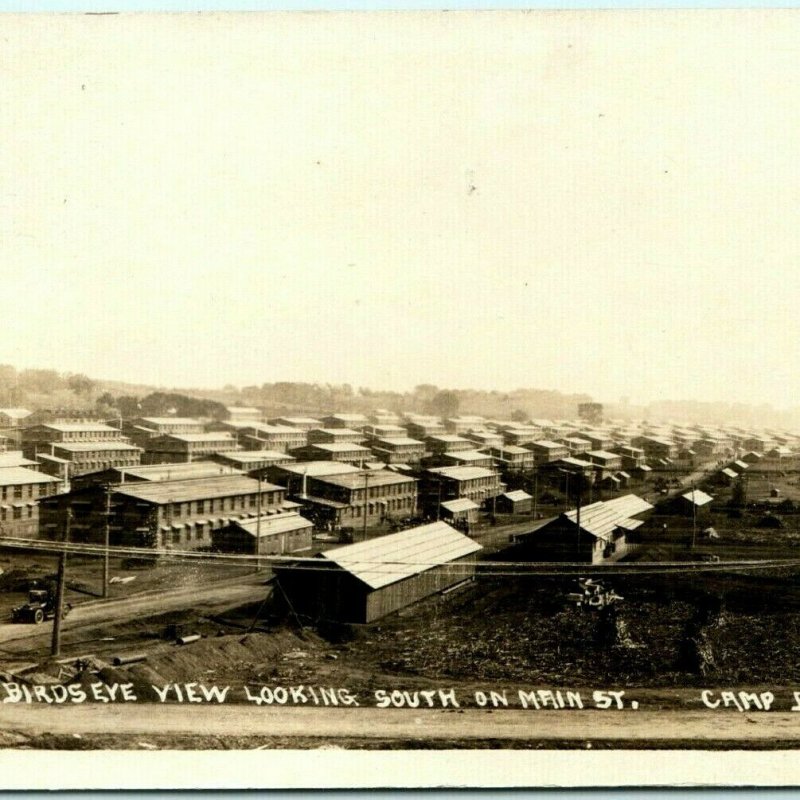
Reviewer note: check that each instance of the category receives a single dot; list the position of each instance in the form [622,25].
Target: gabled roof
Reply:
[512,449]
[468,455]
[697,497]
[301,420]
[460,504]
[317,468]
[400,441]
[601,519]
[337,447]
[194,489]
[16,413]
[245,457]
[171,420]
[74,427]
[217,436]
[389,559]
[14,458]
[604,454]
[517,495]
[93,447]
[369,478]
[174,472]
[547,444]
[279,523]
[462,473]
[16,476]
[728,472]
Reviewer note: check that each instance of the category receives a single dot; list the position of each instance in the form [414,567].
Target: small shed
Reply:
[460,510]
[516,502]
[278,534]
[362,582]
[695,501]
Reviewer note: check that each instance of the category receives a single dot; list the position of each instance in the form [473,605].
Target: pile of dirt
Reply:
[745,631]
[285,655]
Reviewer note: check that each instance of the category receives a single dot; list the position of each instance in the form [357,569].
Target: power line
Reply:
[387,567]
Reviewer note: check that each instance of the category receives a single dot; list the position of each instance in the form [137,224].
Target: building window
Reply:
[176,537]
[17,513]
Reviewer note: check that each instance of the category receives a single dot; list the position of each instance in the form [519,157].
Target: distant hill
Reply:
[49,389]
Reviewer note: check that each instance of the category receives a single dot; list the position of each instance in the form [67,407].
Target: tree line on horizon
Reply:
[48,389]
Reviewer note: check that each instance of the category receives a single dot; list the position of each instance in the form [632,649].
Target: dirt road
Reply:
[229,592]
[701,728]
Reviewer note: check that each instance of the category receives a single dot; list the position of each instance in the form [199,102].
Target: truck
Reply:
[41,605]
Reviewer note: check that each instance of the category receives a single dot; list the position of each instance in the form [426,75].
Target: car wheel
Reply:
[38,616]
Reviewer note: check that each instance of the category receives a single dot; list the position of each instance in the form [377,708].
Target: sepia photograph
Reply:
[418,385]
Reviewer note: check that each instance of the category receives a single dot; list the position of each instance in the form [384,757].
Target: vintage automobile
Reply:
[40,606]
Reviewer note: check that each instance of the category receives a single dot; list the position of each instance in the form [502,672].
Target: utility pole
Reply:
[535,489]
[55,647]
[366,504]
[694,517]
[258,523]
[107,539]
[578,509]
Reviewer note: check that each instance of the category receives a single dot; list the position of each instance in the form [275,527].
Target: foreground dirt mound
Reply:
[667,631]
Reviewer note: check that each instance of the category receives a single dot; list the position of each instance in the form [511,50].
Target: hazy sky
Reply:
[603,202]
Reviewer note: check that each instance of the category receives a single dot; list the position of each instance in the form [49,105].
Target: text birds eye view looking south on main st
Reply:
[174,549]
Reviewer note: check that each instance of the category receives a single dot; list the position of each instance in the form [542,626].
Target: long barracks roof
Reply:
[170,420]
[513,450]
[176,472]
[603,518]
[75,427]
[400,441]
[468,455]
[217,436]
[15,476]
[337,447]
[91,447]
[245,457]
[194,489]
[578,463]
[389,559]
[370,478]
[462,473]
[547,444]
[603,454]
[314,469]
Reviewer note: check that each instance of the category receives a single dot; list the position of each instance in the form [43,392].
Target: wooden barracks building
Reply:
[177,515]
[335,501]
[363,582]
